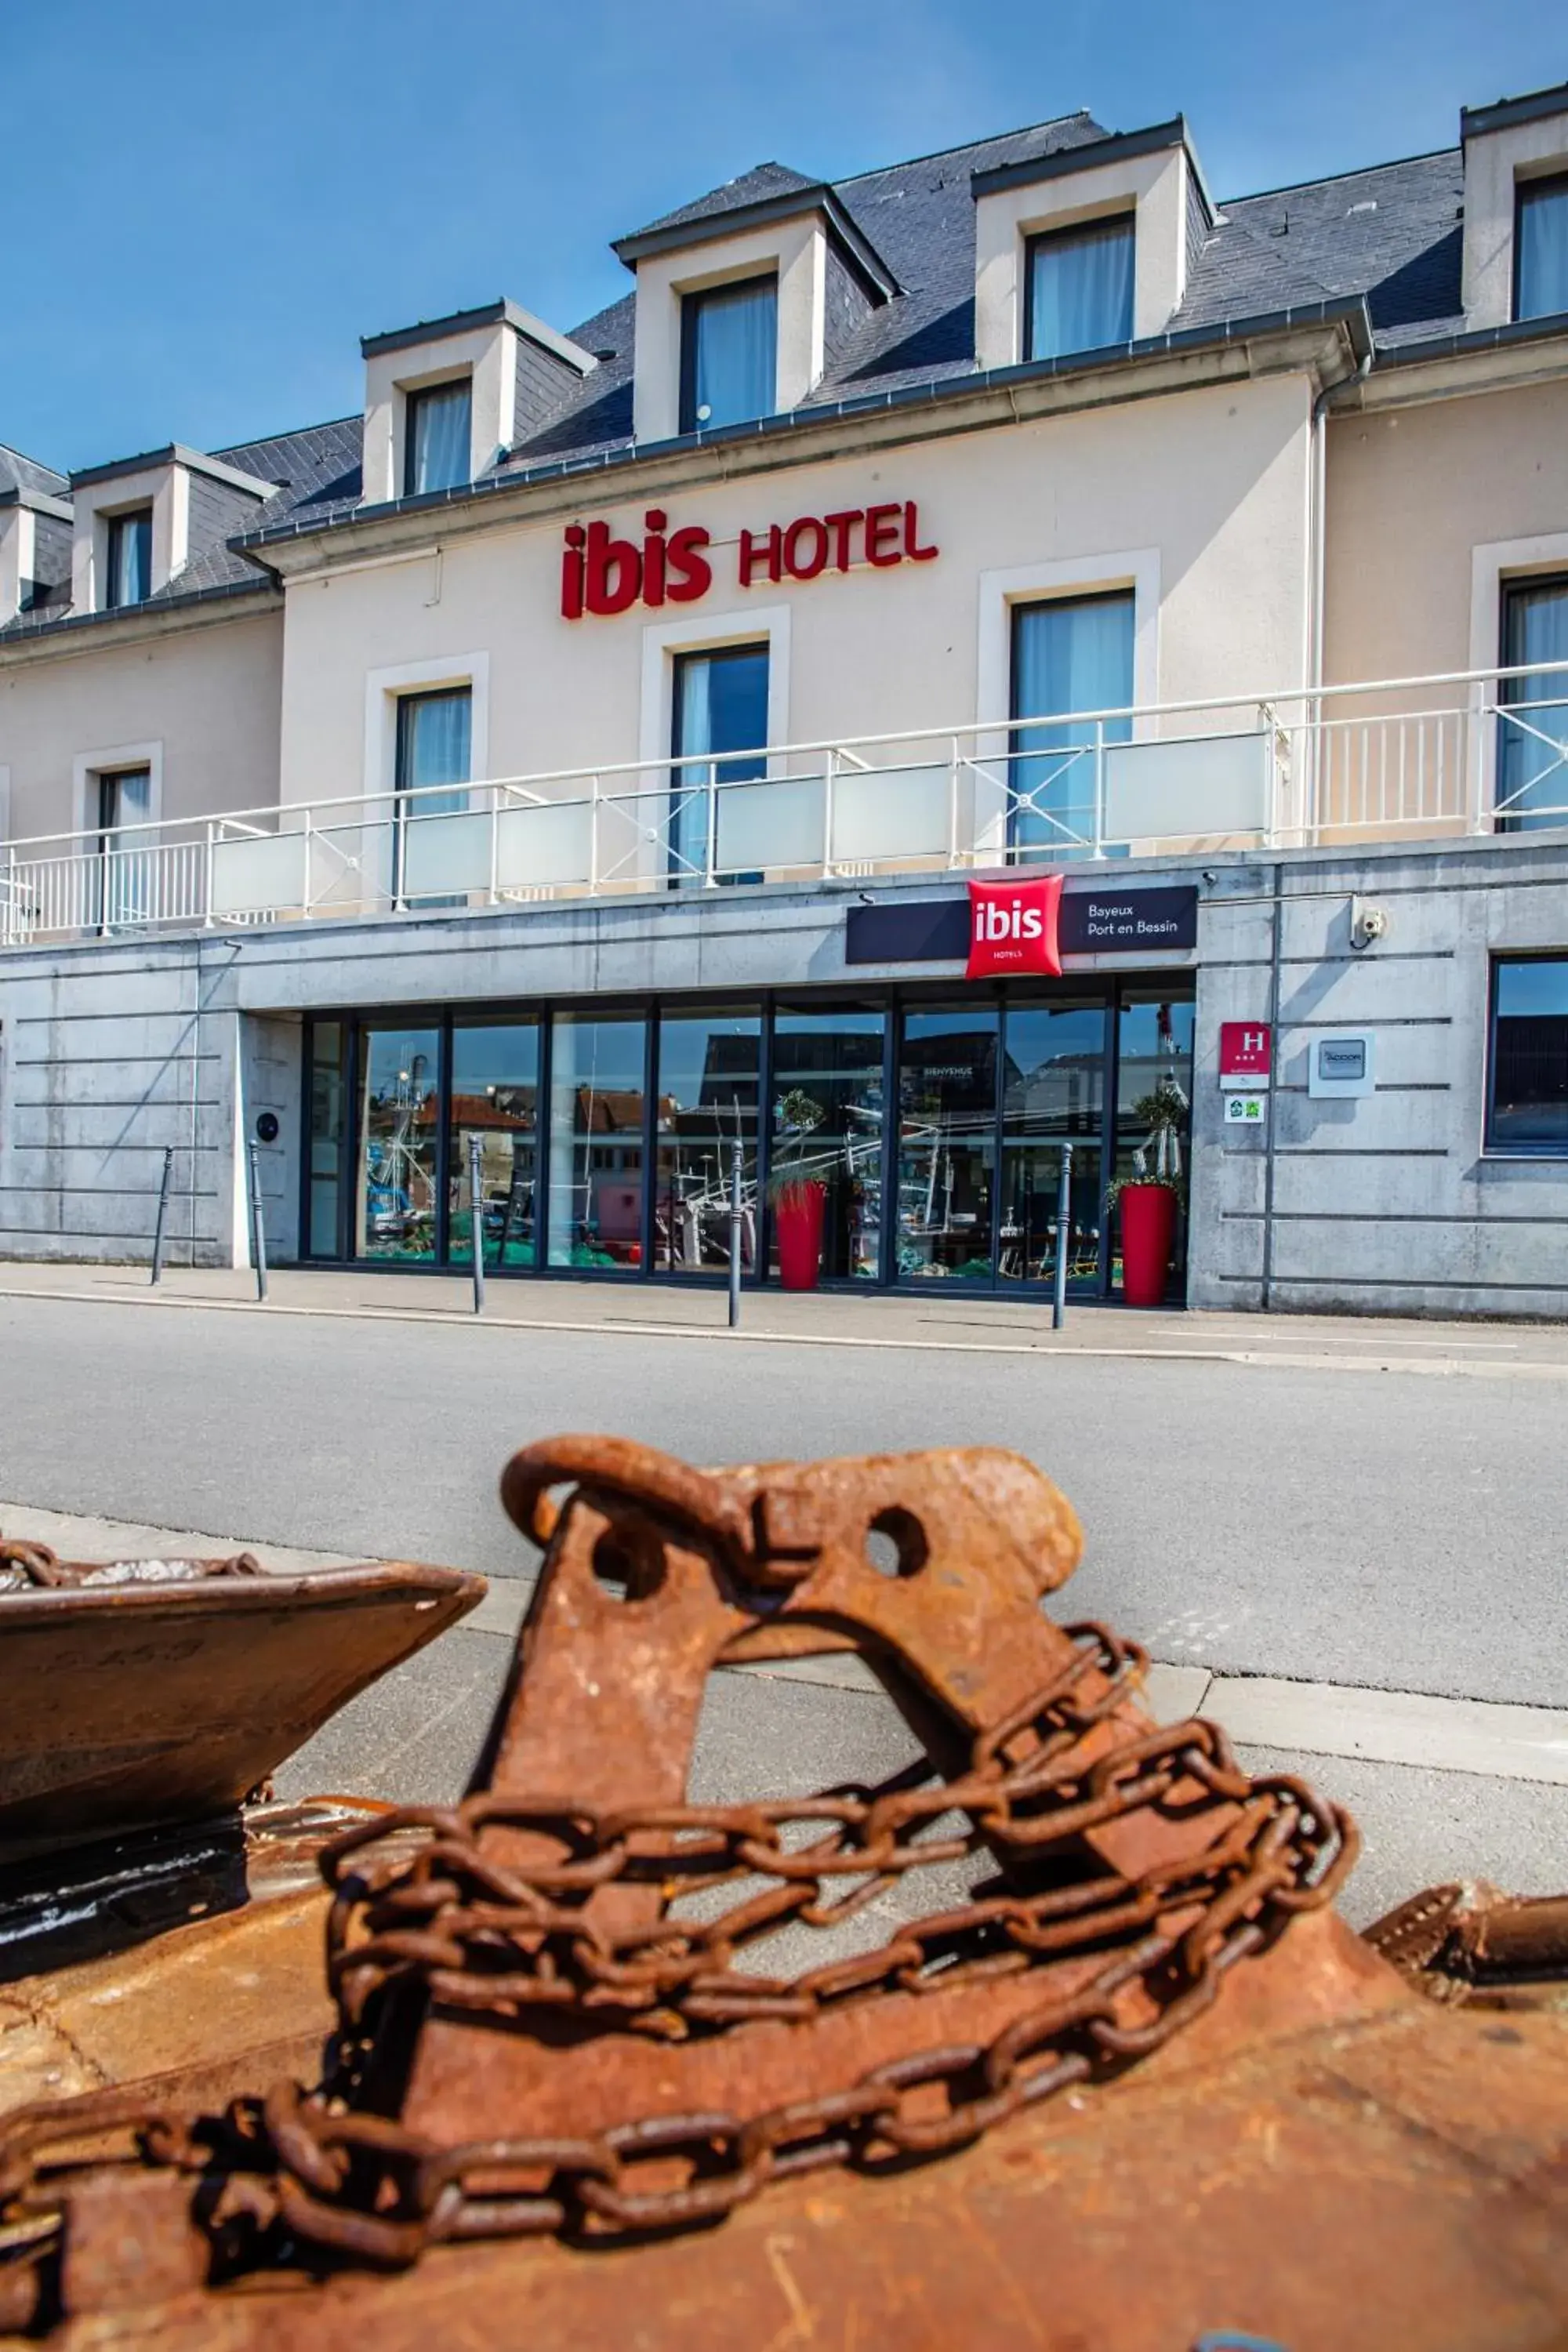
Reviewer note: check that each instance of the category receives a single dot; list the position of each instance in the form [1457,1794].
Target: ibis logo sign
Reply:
[1014,927]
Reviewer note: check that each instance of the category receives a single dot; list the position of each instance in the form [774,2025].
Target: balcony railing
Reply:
[1415,760]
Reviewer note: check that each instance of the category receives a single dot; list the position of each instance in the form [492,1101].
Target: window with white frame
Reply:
[729,354]
[1069,654]
[1541,248]
[1532,712]
[1078,289]
[719,735]
[127,572]
[433,750]
[123,871]
[438,423]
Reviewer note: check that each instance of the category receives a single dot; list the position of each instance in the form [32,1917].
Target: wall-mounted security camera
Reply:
[1367,923]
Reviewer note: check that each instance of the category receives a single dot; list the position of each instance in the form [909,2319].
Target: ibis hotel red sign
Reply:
[601,573]
[1012,928]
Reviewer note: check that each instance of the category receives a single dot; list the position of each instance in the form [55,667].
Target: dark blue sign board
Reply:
[1097,921]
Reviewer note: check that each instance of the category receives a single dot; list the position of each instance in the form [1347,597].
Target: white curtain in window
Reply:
[125,860]
[1080,297]
[438,440]
[720,706]
[736,359]
[433,748]
[1543,251]
[130,558]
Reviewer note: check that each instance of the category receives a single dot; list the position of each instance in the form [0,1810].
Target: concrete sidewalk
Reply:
[1385,1727]
[981,1322]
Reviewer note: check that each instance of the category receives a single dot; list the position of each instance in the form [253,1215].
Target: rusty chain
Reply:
[35,1566]
[309,2171]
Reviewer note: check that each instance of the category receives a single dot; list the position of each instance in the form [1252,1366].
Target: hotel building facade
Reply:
[585,753]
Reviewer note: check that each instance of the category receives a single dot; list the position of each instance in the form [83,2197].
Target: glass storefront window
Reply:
[828,1111]
[328,1130]
[1528,1105]
[1153,1054]
[596,1084]
[1053,1089]
[396,1198]
[947,1142]
[706,1101]
[494,1101]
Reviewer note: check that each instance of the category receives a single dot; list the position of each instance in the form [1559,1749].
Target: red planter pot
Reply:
[1148,1226]
[797,1215]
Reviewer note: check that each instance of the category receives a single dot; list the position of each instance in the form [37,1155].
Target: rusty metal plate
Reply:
[1392,2184]
[138,1703]
[193,1956]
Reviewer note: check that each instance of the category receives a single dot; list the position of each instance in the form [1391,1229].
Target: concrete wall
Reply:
[1201,494]
[1388,1205]
[1424,505]
[208,696]
[103,1062]
[108,1054]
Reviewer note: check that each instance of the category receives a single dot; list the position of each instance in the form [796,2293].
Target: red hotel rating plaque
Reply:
[1245,1056]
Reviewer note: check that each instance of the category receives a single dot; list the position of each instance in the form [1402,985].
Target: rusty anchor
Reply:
[559,2053]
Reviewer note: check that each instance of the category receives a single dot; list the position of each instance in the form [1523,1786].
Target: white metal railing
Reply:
[1439,758]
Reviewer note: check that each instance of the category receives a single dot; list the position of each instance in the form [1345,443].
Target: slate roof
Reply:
[762,182]
[1389,236]
[19,473]
[1391,232]
[317,472]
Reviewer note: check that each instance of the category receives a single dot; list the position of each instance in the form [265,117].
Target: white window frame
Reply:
[793,251]
[384,691]
[1495,568]
[410,389]
[705,633]
[114,759]
[710,632]
[1061,581]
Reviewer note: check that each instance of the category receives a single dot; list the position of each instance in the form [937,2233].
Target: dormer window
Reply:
[1541,248]
[437,438]
[130,554]
[729,354]
[1079,290]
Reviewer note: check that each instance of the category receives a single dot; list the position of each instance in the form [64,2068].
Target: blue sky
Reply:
[210,204]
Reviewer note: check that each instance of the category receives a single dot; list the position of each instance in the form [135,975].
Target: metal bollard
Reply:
[735,1170]
[162,1213]
[1063,1228]
[476,1217]
[257,1223]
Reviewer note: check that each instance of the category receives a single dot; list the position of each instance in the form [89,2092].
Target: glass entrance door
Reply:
[947,1143]
[827,1131]
[1053,1091]
[494,1101]
[596,1097]
[400,1101]
[705,1102]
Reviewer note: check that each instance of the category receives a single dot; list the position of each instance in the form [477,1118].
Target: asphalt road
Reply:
[1389,1528]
